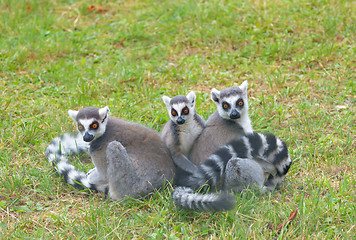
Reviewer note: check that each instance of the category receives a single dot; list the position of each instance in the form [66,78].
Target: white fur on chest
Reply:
[245,123]
[188,133]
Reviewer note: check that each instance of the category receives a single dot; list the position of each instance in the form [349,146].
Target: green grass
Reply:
[299,59]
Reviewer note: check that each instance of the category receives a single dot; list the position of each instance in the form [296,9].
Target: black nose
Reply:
[180,120]
[88,137]
[234,114]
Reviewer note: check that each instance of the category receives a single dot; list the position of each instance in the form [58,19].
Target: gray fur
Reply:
[124,177]
[129,159]
[218,132]
[242,173]
[89,112]
[179,99]
[231,91]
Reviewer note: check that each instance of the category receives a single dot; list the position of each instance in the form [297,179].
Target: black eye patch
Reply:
[94,125]
[225,106]
[185,111]
[80,127]
[240,103]
[174,112]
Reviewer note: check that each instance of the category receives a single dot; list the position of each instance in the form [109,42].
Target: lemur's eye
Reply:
[80,127]
[174,113]
[225,105]
[94,125]
[240,102]
[185,111]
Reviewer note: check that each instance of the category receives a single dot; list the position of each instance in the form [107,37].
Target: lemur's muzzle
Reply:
[234,114]
[180,120]
[88,137]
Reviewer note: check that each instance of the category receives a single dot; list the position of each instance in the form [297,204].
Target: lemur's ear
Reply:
[73,114]
[243,87]
[103,112]
[191,98]
[166,100]
[215,95]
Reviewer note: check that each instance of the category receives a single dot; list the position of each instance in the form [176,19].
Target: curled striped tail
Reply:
[274,151]
[260,160]
[208,175]
[186,198]
[65,146]
[58,153]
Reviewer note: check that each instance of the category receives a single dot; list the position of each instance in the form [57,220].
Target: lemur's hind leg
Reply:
[122,176]
[242,174]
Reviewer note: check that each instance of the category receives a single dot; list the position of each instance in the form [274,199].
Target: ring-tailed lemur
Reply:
[234,167]
[230,121]
[183,128]
[129,159]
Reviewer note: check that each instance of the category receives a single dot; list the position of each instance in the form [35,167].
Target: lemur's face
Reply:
[180,108]
[91,122]
[231,107]
[179,112]
[231,102]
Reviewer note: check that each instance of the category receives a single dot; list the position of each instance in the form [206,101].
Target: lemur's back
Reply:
[218,132]
[147,152]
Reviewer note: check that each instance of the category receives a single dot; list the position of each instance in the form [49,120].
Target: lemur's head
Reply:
[91,121]
[180,108]
[231,102]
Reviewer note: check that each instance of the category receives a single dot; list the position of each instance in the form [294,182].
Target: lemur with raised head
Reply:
[231,121]
[228,122]
[239,165]
[129,159]
[183,128]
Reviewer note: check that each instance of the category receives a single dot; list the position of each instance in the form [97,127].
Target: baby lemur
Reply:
[129,159]
[183,128]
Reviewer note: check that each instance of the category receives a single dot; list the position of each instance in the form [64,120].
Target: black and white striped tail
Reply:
[58,152]
[186,198]
[274,151]
[270,152]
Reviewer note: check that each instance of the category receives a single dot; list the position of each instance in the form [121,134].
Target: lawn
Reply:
[298,57]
